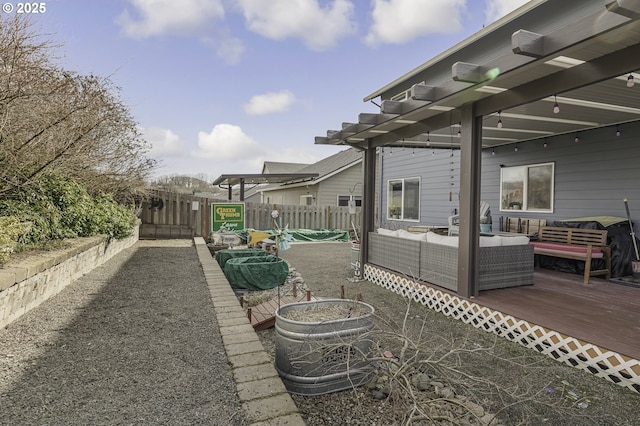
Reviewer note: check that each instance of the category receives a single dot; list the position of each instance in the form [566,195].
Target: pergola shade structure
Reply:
[231,180]
[576,55]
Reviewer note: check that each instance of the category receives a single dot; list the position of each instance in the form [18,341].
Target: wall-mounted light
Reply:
[499,119]
[556,107]
[630,81]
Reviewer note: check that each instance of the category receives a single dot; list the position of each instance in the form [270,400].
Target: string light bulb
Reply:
[493,151]
[499,119]
[460,130]
[577,138]
[545,144]
[556,107]
[630,81]
[516,148]
[618,130]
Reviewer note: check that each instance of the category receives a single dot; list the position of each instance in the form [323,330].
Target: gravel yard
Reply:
[136,341]
[133,342]
[503,378]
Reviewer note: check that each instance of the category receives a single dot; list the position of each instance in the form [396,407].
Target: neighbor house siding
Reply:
[340,184]
[592,176]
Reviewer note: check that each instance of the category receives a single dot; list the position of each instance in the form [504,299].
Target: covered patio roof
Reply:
[549,68]
[515,71]
[241,179]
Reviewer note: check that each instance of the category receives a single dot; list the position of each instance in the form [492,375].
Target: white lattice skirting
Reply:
[612,366]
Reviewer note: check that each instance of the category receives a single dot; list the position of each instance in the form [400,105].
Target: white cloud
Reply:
[230,50]
[496,9]
[400,21]
[157,17]
[319,27]
[164,143]
[226,142]
[270,103]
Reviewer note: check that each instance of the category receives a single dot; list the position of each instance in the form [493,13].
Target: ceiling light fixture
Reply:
[499,119]
[556,107]
[630,81]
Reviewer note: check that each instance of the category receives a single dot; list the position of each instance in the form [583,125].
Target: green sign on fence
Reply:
[229,216]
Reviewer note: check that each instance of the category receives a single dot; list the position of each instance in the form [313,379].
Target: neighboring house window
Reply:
[306,200]
[343,200]
[403,199]
[528,188]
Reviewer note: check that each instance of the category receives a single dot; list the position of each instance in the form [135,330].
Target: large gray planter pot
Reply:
[318,357]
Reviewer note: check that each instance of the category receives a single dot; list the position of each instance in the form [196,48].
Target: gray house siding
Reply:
[592,176]
[340,184]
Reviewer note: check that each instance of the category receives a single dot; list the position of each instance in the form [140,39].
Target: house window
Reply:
[403,199]
[306,200]
[527,188]
[343,200]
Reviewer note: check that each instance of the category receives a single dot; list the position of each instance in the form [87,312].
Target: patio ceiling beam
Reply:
[422,92]
[527,43]
[400,107]
[597,70]
[374,119]
[470,73]
[628,8]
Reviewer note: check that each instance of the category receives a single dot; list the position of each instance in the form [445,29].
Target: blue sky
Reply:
[220,86]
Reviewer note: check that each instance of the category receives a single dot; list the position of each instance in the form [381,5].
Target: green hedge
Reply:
[59,208]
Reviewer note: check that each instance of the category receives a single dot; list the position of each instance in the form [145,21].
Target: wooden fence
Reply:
[173,215]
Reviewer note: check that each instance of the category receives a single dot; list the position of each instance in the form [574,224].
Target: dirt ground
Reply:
[517,384]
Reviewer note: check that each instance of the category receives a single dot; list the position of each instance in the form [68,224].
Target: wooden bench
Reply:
[575,243]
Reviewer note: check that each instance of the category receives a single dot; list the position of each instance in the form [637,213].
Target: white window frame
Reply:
[306,197]
[521,202]
[356,198]
[401,209]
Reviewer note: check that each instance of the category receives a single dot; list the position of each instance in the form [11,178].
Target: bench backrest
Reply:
[573,236]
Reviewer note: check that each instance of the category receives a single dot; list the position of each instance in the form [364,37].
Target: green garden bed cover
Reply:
[256,272]
[315,235]
[222,256]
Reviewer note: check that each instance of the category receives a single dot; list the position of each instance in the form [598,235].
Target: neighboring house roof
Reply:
[279,167]
[325,168]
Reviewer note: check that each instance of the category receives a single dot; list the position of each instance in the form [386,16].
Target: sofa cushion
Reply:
[383,231]
[516,240]
[411,235]
[451,241]
[494,241]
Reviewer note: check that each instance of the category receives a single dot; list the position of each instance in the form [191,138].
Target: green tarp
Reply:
[304,234]
[256,272]
[222,256]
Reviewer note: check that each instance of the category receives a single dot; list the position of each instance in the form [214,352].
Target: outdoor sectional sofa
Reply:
[505,261]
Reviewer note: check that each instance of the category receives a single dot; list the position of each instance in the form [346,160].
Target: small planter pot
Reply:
[485,227]
[317,356]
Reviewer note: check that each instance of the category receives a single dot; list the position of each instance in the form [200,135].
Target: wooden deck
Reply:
[603,313]
[263,316]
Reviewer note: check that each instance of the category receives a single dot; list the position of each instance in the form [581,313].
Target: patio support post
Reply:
[368,204]
[229,192]
[241,189]
[470,167]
